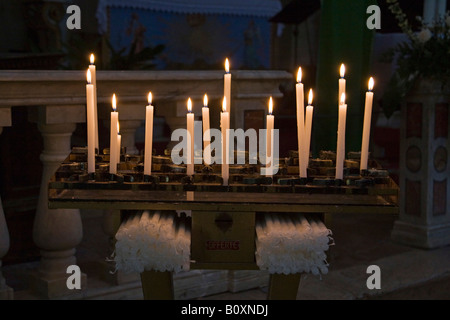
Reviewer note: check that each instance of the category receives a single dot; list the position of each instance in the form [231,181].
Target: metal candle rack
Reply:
[247,195]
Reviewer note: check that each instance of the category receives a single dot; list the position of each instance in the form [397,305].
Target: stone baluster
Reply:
[174,112]
[131,116]
[6,293]
[55,231]
[128,131]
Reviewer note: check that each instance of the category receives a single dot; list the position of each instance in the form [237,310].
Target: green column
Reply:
[344,38]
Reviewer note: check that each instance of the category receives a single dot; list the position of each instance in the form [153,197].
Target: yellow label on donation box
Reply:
[223,237]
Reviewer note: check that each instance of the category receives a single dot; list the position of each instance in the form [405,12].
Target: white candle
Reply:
[308,126]
[90,123]
[119,142]
[366,128]
[94,82]
[269,138]
[342,81]
[225,125]
[190,144]
[113,138]
[300,124]
[148,136]
[340,153]
[227,85]
[206,133]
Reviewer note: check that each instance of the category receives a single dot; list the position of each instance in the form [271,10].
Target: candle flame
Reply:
[343,98]
[342,70]
[224,104]
[89,77]
[189,105]
[299,75]
[227,66]
[270,105]
[371,83]
[205,100]
[310,97]
[114,102]
[149,98]
[92,58]
[118,128]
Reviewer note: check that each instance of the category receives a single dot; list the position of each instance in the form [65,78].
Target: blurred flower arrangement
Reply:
[424,55]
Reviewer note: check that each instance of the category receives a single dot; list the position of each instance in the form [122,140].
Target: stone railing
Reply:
[56,101]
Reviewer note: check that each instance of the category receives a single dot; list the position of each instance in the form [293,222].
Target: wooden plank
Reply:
[319,209]
[216,197]
[224,266]
[223,237]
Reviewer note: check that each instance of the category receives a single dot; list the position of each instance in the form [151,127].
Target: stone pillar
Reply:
[55,231]
[424,174]
[6,293]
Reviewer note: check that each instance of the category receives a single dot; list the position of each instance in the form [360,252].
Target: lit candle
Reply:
[227,85]
[300,124]
[308,126]
[269,138]
[206,133]
[94,82]
[340,153]
[190,144]
[119,142]
[148,136]
[113,139]
[90,123]
[341,81]
[225,125]
[366,128]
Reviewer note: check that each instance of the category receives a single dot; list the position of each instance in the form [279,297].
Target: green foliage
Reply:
[424,55]
[131,60]
[393,95]
[79,47]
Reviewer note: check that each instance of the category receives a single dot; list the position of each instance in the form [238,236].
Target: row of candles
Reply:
[304,126]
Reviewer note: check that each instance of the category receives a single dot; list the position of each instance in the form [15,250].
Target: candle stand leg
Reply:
[157,285]
[283,287]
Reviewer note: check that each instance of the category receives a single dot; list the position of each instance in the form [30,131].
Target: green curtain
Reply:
[344,38]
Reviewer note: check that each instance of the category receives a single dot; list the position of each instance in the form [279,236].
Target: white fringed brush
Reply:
[153,241]
[290,244]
